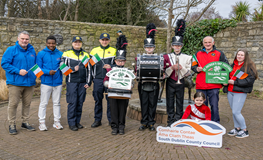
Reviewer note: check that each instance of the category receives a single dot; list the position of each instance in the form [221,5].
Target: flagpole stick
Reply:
[57,69]
[30,68]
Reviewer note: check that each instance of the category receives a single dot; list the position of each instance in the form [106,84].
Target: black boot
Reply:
[114,131]
[151,128]
[143,127]
[96,124]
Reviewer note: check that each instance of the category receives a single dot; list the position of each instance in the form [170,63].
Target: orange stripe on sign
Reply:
[194,63]
[39,74]
[244,76]
[68,72]
[199,128]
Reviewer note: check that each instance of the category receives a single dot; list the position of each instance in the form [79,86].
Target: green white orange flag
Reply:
[37,71]
[85,61]
[95,59]
[240,74]
[195,61]
[65,69]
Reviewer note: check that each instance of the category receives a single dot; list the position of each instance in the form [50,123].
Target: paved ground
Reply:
[98,143]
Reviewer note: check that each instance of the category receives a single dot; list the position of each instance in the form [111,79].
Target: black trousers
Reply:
[148,101]
[76,94]
[118,112]
[172,90]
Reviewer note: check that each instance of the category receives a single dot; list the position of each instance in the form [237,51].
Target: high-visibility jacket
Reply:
[107,55]
[71,59]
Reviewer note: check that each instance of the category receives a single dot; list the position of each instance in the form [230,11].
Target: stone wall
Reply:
[40,29]
[246,35]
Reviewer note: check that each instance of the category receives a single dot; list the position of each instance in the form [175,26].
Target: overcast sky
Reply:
[224,6]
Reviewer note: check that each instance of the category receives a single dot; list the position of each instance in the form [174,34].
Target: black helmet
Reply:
[121,47]
[150,33]
[179,32]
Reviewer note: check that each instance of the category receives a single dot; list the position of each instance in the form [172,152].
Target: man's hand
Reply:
[76,68]
[231,82]
[22,72]
[106,66]
[225,84]
[52,72]
[199,69]
[86,86]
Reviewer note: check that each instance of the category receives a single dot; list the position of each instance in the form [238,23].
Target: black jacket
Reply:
[73,58]
[244,85]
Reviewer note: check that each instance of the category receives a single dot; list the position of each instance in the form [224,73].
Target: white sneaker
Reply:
[42,126]
[57,125]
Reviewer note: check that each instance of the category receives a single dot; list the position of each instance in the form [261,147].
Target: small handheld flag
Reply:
[37,71]
[85,61]
[195,61]
[240,74]
[95,59]
[65,69]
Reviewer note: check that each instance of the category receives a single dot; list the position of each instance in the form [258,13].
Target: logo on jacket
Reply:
[58,59]
[32,55]
[213,54]
[109,52]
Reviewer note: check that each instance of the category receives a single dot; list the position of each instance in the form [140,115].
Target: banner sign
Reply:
[192,132]
[120,78]
[216,75]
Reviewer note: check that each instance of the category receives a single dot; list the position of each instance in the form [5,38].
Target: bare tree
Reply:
[76,10]
[211,13]
[176,8]
[47,9]
[67,12]
[10,8]
[2,7]
[39,9]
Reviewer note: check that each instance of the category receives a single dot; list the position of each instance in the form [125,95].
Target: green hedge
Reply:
[194,34]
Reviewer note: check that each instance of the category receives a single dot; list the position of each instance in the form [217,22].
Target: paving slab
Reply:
[98,143]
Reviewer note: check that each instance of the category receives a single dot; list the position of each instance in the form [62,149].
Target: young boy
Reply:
[118,107]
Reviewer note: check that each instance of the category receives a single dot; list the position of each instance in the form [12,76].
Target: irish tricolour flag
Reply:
[65,69]
[95,59]
[85,61]
[37,71]
[240,74]
[195,61]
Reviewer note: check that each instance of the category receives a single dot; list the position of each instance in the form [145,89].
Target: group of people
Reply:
[18,60]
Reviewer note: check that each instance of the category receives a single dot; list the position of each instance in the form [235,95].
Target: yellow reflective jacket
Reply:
[72,59]
[107,55]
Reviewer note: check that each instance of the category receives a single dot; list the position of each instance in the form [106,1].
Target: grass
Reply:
[3,90]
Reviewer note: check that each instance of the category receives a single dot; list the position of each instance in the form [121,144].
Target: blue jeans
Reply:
[212,95]
[236,102]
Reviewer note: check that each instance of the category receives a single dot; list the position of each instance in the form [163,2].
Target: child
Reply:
[198,111]
[118,107]
[148,91]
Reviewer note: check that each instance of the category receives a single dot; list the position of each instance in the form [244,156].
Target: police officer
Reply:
[77,82]
[107,55]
